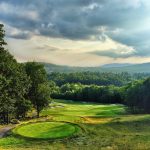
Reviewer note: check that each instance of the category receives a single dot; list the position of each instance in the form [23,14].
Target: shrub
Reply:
[15,121]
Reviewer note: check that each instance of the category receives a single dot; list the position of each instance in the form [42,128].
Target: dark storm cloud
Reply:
[73,19]
[140,40]
[80,19]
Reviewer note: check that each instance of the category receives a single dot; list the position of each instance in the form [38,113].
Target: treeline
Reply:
[22,86]
[97,78]
[137,96]
[130,90]
[88,93]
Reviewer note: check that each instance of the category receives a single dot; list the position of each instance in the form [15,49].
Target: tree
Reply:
[22,106]
[14,83]
[38,78]
[43,96]
[53,88]
[138,96]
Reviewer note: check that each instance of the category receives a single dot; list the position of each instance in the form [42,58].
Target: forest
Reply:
[96,78]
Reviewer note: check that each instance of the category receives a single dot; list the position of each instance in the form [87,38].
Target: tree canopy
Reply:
[14,82]
[39,92]
[21,86]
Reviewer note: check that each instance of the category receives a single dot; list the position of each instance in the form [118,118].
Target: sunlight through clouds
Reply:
[78,33]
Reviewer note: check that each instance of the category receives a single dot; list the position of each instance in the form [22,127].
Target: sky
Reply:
[77,32]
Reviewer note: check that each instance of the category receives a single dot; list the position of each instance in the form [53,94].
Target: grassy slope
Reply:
[106,128]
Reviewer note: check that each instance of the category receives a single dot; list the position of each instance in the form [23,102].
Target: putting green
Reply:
[46,130]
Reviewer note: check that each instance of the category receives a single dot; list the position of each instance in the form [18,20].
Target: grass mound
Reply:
[46,130]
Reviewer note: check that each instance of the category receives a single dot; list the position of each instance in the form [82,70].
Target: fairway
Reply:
[83,109]
[46,130]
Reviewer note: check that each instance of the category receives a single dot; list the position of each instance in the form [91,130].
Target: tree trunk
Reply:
[7,118]
[3,117]
[38,113]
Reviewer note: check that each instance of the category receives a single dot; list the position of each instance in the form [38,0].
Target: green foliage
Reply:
[90,93]
[20,85]
[2,34]
[138,96]
[53,88]
[88,78]
[15,121]
[39,92]
[14,83]
[43,96]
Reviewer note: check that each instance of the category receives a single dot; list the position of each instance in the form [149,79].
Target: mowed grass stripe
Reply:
[84,109]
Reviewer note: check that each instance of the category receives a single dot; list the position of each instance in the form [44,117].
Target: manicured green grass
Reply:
[107,127]
[46,130]
[84,109]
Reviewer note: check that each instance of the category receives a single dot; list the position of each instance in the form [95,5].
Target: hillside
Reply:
[135,68]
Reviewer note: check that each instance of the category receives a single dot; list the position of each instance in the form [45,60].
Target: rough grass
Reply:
[107,127]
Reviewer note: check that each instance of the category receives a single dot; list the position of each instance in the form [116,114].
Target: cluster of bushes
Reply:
[22,86]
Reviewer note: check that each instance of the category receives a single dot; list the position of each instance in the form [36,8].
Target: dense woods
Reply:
[87,93]
[97,78]
[137,96]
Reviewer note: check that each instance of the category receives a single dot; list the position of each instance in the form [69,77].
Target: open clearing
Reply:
[107,127]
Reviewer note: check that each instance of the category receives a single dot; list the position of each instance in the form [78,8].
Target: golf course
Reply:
[78,125]
[74,75]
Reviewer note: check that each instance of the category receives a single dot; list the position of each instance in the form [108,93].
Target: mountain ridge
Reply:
[131,68]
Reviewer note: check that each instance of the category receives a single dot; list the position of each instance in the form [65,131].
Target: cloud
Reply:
[114,53]
[75,19]
[30,50]
[91,21]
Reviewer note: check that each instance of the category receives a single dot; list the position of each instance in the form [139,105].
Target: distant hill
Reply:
[131,68]
[116,65]
[140,68]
